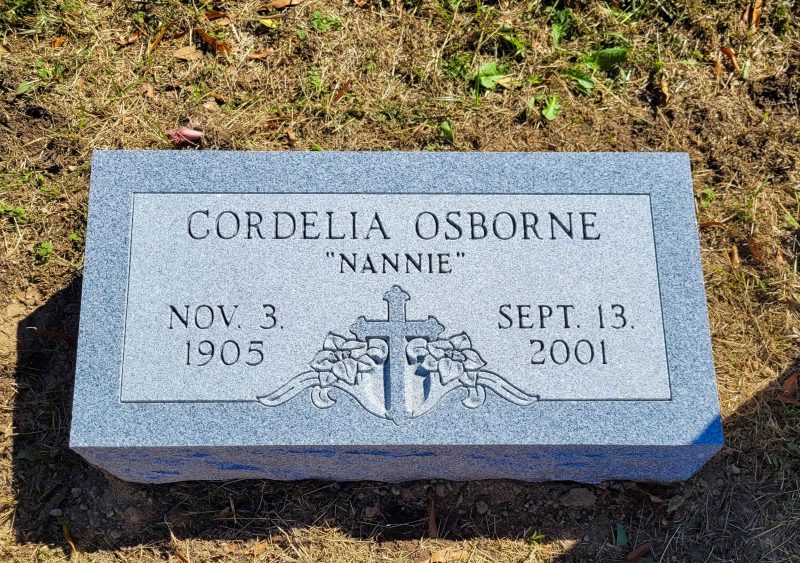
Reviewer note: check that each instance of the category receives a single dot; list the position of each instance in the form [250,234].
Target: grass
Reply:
[405,75]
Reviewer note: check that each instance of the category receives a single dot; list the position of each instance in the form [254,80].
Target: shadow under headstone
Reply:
[61,499]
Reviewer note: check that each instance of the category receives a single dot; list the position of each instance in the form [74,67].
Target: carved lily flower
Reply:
[345,360]
[452,358]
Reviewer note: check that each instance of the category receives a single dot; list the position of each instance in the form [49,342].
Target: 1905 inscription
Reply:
[228,352]
[558,295]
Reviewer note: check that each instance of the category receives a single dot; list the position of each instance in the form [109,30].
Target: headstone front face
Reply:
[393,316]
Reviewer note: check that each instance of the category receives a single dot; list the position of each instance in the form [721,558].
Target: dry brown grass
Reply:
[740,126]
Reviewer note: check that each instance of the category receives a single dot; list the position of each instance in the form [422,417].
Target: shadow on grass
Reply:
[739,507]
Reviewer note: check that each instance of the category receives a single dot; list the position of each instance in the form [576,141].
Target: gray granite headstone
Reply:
[393,316]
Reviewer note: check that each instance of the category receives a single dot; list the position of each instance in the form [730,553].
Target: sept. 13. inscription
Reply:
[232,294]
[230,349]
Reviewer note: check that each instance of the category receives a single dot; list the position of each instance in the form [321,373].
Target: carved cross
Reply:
[396,330]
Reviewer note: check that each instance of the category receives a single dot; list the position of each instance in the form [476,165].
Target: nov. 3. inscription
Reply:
[228,352]
[525,317]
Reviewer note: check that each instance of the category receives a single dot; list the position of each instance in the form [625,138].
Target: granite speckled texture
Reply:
[320,370]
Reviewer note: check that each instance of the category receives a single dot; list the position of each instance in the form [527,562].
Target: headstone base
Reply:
[586,464]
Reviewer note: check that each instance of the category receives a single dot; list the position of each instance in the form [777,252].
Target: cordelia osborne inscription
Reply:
[538,323]
[453,225]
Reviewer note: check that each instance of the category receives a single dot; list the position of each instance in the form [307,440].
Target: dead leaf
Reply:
[68,537]
[157,39]
[789,388]
[433,529]
[728,52]
[269,23]
[707,224]
[755,248]
[188,53]
[273,123]
[59,41]
[262,54]
[212,15]
[449,556]
[177,553]
[130,39]
[4,50]
[185,135]
[230,547]
[361,3]
[55,335]
[653,498]
[216,45]
[717,67]
[148,91]
[791,383]
[291,136]
[635,555]
[507,81]
[260,547]
[279,4]
[219,18]
[341,91]
[734,256]
[664,93]
[752,14]
[214,99]
[217,96]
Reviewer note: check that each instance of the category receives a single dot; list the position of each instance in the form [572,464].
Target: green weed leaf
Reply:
[446,129]
[621,535]
[13,211]
[552,106]
[43,250]
[457,66]
[561,25]
[489,75]
[322,23]
[24,88]
[536,538]
[511,43]
[611,58]
[706,197]
[583,82]
[30,453]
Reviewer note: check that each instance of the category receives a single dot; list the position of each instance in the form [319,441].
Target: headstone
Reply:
[393,316]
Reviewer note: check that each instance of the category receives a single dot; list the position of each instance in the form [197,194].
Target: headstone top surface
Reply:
[239,299]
